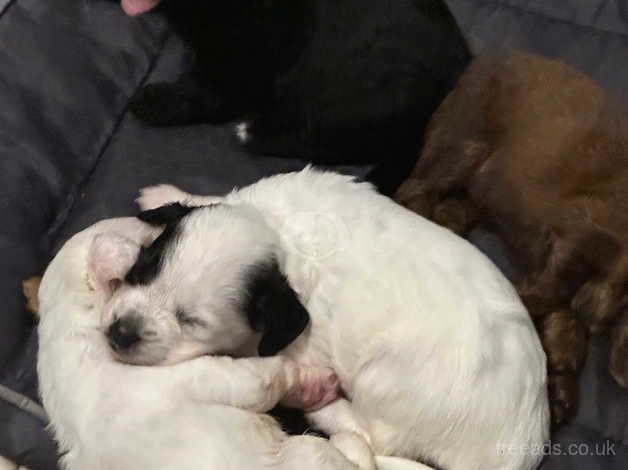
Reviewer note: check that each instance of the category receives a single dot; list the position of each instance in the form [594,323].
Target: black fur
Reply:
[328,81]
[165,215]
[123,333]
[273,308]
[294,422]
[151,257]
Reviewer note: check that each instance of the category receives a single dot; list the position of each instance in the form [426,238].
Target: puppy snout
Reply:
[124,333]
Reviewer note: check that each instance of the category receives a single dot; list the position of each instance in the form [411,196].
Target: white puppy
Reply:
[435,352]
[204,413]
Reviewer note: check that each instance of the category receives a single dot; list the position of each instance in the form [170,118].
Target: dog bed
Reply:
[71,154]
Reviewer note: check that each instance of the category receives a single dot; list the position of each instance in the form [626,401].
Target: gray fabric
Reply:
[23,403]
[591,35]
[4,4]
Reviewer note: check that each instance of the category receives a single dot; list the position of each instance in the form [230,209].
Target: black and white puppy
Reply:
[202,413]
[435,352]
[327,81]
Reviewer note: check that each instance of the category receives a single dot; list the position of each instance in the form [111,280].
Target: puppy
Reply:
[437,356]
[326,81]
[203,413]
[30,289]
[536,151]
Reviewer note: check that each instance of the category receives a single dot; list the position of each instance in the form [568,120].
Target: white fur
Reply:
[203,413]
[242,132]
[433,347]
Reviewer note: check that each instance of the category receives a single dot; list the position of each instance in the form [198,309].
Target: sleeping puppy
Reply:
[536,151]
[437,356]
[326,81]
[203,413]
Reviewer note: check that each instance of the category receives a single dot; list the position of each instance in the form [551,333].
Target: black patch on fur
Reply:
[165,215]
[273,308]
[150,259]
[294,422]
[124,332]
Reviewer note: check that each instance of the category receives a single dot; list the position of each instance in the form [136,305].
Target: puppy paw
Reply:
[314,388]
[355,448]
[242,132]
[595,303]
[563,397]
[564,340]
[537,298]
[259,136]
[415,197]
[454,214]
[153,197]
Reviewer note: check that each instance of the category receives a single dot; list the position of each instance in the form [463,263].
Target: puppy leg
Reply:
[443,171]
[338,417]
[416,196]
[599,300]
[562,334]
[348,432]
[343,451]
[313,453]
[355,448]
[315,388]
[456,214]
[619,350]
[564,341]
[562,273]
[453,211]
[256,384]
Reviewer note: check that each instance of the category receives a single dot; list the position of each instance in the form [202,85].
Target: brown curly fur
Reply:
[537,151]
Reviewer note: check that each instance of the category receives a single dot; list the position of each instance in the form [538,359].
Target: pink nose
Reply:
[137,7]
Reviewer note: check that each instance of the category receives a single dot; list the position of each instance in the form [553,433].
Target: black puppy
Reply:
[328,81]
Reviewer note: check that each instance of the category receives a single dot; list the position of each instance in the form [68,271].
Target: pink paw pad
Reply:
[317,387]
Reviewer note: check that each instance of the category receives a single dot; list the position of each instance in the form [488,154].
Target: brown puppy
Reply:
[30,289]
[537,151]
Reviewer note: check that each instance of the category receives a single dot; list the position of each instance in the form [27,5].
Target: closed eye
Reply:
[188,320]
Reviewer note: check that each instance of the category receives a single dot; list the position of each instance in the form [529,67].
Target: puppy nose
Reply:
[123,333]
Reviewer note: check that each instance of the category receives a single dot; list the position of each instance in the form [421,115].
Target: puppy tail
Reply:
[395,463]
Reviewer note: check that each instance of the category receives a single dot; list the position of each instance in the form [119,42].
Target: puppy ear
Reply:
[165,215]
[274,308]
[110,256]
